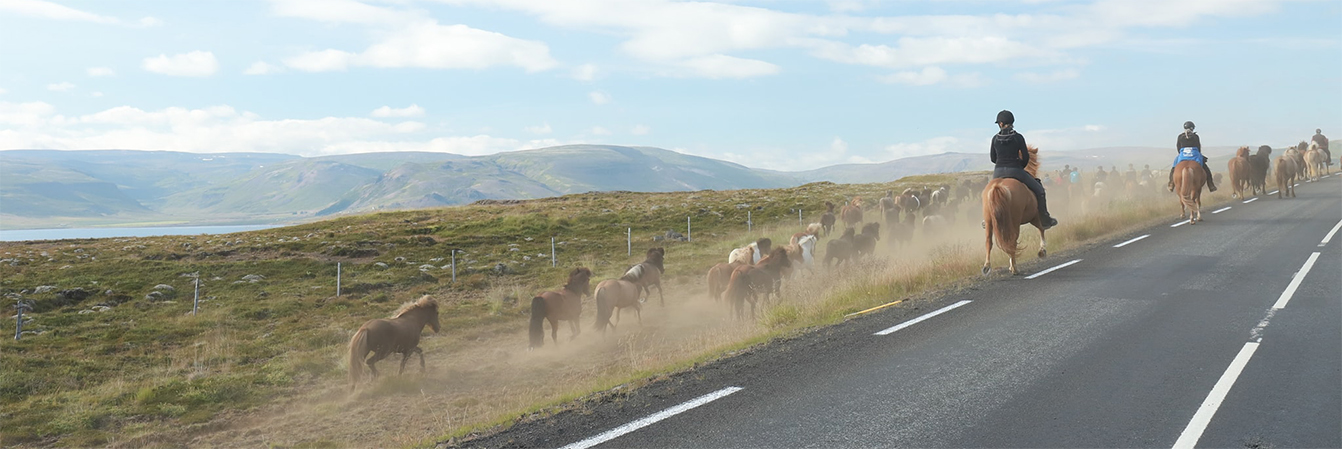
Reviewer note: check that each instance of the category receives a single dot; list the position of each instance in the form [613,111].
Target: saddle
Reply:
[1189,154]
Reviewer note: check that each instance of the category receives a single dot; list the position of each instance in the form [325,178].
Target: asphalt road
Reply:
[1130,347]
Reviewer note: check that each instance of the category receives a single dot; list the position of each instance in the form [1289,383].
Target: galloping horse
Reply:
[1188,181]
[563,305]
[889,210]
[1259,164]
[757,249]
[648,273]
[1007,205]
[720,274]
[615,294]
[851,213]
[1239,172]
[748,281]
[390,336]
[827,219]
[908,202]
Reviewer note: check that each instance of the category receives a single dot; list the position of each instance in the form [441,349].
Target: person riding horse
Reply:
[1323,144]
[1010,155]
[1190,149]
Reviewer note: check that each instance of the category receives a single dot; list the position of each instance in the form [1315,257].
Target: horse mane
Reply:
[1242,152]
[779,253]
[573,283]
[848,233]
[654,257]
[872,228]
[424,302]
[857,201]
[829,206]
[1033,166]
[813,228]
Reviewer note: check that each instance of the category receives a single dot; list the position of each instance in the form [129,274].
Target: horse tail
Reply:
[537,328]
[1003,229]
[604,307]
[358,349]
[735,291]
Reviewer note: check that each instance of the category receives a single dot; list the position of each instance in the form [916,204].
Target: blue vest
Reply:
[1188,154]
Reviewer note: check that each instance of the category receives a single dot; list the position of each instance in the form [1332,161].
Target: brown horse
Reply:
[889,210]
[648,274]
[562,305]
[827,219]
[384,337]
[1286,173]
[616,295]
[720,274]
[1259,163]
[1239,172]
[1007,205]
[851,213]
[1188,181]
[748,281]
[908,203]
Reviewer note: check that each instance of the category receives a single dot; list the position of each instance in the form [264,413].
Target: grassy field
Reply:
[263,361]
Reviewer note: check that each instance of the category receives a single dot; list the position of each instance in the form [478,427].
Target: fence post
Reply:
[799,217]
[629,240]
[687,229]
[18,327]
[337,278]
[749,225]
[552,253]
[454,266]
[195,304]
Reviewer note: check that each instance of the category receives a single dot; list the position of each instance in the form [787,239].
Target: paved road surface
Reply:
[1121,349]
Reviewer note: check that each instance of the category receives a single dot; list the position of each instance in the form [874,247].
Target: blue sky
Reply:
[786,85]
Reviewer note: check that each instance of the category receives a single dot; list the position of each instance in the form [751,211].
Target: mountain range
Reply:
[51,188]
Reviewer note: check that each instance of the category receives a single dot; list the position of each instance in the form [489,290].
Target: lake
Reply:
[98,233]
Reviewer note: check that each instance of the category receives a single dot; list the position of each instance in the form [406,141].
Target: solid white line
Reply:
[1223,209]
[1179,224]
[1250,200]
[673,411]
[921,318]
[1274,192]
[1193,432]
[1330,234]
[1295,282]
[1120,245]
[1050,270]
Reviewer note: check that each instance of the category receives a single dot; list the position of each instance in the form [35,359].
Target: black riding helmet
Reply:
[1188,125]
[1005,117]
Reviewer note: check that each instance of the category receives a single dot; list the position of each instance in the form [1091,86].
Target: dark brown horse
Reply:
[749,281]
[1007,205]
[827,219]
[865,243]
[648,274]
[1259,163]
[1239,172]
[384,337]
[1189,178]
[562,305]
[616,295]
[842,249]
[851,213]
[889,210]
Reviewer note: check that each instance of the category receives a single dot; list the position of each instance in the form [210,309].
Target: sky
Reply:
[785,85]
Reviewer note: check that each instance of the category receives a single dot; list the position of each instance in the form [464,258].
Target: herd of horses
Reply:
[755,271]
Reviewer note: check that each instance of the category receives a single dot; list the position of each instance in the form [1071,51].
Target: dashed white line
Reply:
[1050,270]
[914,321]
[1189,438]
[673,411]
[1223,209]
[1250,200]
[1179,224]
[1120,245]
[1274,192]
[1328,237]
[1295,282]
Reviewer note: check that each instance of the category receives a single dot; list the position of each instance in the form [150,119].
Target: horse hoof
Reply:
[986,270]
[1043,253]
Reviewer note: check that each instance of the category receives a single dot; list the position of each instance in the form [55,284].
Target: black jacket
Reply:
[1186,141]
[1008,149]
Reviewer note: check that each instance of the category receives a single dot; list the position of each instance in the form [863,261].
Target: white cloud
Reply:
[409,111]
[338,11]
[60,87]
[640,130]
[196,63]
[913,52]
[599,97]
[147,22]
[1041,78]
[1093,128]
[539,129]
[262,68]
[25,114]
[935,145]
[933,75]
[96,95]
[723,66]
[49,10]
[585,72]
[100,71]
[3,91]
[426,44]
[599,131]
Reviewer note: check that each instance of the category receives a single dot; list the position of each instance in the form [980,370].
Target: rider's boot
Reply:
[1210,187]
[1047,220]
[1170,186]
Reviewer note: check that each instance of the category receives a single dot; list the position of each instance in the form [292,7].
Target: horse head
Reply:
[580,281]
[829,207]
[777,258]
[425,305]
[1242,152]
[764,245]
[872,229]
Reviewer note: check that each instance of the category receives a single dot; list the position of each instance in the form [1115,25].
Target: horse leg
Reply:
[554,330]
[1011,263]
[660,296]
[376,357]
[573,325]
[405,356]
[988,245]
[1043,244]
[421,359]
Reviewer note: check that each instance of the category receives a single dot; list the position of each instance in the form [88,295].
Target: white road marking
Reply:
[673,411]
[1295,282]
[1250,200]
[1120,245]
[1330,234]
[1179,224]
[1274,192]
[1223,209]
[1050,270]
[921,318]
[1189,438]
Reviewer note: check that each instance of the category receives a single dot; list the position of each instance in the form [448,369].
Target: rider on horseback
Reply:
[1190,148]
[1008,151]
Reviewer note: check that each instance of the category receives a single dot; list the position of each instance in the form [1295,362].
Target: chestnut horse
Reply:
[1007,205]
[851,213]
[749,281]
[1239,172]
[721,273]
[616,295]
[1188,181]
[1287,170]
[648,274]
[399,334]
[563,305]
